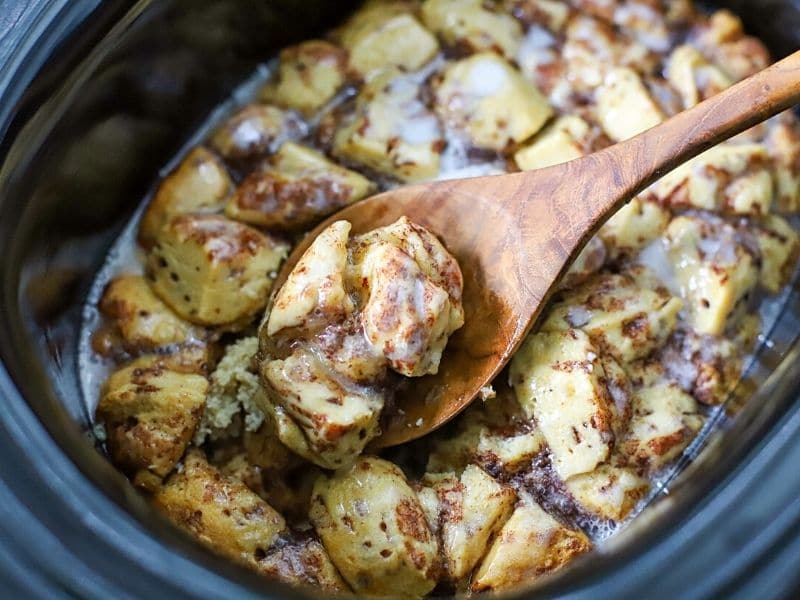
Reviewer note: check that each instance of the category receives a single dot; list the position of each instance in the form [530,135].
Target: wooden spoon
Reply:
[515,235]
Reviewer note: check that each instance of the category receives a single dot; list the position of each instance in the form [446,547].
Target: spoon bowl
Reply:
[515,235]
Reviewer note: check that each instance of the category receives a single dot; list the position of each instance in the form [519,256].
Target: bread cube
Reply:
[213,271]
[309,75]
[707,367]
[493,434]
[304,563]
[730,178]
[468,23]
[530,544]
[200,184]
[694,77]
[624,106]
[150,414]
[608,492]
[256,130]
[219,511]
[385,35]
[783,145]
[665,419]
[778,244]
[559,380]
[633,227]
[374,529]
[621,317]
[465,512]
[593,48]
[336,422]
[314,292]
[486,98]
[392,131]
[297,189]
[144,322]
[715,269]
[644,21]
[722,39]
[552,14]
[562,141]
[411,295]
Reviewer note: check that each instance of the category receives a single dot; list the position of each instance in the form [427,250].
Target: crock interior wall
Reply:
[89,139]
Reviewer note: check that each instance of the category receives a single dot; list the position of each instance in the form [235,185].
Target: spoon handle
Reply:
[642,160]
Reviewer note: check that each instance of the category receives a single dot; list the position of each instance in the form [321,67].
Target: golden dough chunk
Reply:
[200,184]
[219,511]
[530,544]
[336,421]
[624,106]
[150,413]
[464,512]
[722,39]
[304,563]
[393,132]
[144,322]
[493,434]
[562,141]
[375,530]
[783,145]
[314,292]
[560,381]
[552,14]
[468,23]
[694,77]
[255,130]
[296,190]
[386,34]
[634,226]
[665,419]
[715,269]
[487,99]
[309,75]
[608,492]
[730,178]
[593,48]
[779,244]
[622,317]
[214,271]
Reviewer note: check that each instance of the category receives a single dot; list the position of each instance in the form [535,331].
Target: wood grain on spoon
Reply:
[515,235]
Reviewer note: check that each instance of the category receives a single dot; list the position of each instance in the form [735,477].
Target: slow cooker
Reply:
[94,98]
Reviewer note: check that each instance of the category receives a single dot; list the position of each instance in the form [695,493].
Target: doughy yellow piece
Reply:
[464,512]
[150,413]
[608,492]
[220,511]
[144,321]
[469,23]
[624,106]
[385,34]
[490,101]
[715,270]
[213,271]
[530,544]
[298,188]
[665,419]
[200,184]
[393,131]
[309,75]
[374,529]
[560,381]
